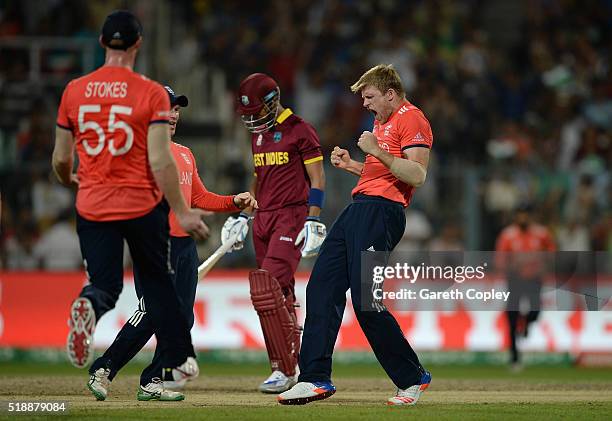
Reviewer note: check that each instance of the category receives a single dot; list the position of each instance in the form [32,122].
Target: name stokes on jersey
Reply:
[106,89]
[270,158]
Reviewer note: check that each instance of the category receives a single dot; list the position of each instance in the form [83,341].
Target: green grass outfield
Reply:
[226,391]
[538,373]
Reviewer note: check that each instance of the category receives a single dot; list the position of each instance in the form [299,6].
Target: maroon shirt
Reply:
[279,157]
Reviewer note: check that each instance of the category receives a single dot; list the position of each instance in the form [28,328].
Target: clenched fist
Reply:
[340,158]
[368,143]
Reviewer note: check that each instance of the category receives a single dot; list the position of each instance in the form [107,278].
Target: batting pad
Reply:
[278,326]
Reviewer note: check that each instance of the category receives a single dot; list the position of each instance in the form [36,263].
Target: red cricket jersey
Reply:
[109,112]
[193,189]
[406,128]
[515,246]
[279,157]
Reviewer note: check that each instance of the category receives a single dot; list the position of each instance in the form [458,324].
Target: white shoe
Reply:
[411,395]
[155,391]
[99,383]
[304,392]
[277,382]
[182,374]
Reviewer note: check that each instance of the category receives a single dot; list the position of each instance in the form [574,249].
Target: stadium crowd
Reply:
[519,96]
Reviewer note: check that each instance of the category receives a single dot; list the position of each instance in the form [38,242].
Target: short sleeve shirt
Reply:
[280,156]
[109,112]
[406,128]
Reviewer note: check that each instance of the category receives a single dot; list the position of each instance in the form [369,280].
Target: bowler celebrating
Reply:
[397,155]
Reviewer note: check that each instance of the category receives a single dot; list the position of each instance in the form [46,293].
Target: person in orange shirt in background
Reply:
[117,121]
[519,255]
[397,156]
[137,331]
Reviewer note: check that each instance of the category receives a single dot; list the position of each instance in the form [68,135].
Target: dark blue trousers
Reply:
[369,222]
[148,240]
[137,331]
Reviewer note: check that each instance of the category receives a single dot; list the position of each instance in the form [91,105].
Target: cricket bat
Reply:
[208,264]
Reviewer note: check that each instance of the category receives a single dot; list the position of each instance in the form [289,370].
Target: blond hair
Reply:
[383,77]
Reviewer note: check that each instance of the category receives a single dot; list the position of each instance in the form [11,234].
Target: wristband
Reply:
[313,218]
[244,215]
[316,197]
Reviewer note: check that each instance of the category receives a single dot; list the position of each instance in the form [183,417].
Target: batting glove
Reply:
[238,227]
[313,234]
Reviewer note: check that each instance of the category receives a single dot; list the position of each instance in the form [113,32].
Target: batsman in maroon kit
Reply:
[288,185]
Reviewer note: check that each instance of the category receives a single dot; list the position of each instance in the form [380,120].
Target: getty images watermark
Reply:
[411,273]
[485,281]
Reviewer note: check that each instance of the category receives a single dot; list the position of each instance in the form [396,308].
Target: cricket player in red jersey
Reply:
[397,155]
[117,120]
[521,257]
[184,258]
[289,184]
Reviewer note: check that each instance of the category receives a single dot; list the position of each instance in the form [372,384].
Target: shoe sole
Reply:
[82,326]
[146,398]
[273,391]
[99,396]
[304,401]
[278,389]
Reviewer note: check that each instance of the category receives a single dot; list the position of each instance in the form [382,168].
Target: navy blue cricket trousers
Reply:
[367,222]
[148,240]
[137,331]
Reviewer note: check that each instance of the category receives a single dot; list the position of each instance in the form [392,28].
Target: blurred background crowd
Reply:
[518,93]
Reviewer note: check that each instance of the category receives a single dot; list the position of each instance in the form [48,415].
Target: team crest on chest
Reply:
[259,139]
[387,128]
[277,137]
[186,158]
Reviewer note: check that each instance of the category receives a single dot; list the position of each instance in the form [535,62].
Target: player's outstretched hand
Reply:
[313,234]
[245,200]
[340,158]
[191,221]
[237,228]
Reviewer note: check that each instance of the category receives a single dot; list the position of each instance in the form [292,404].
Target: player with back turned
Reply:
[288,185]
[117,120]
[397,155]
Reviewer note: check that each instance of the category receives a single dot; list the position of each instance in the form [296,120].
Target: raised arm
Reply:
[204,199]
[411,169]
